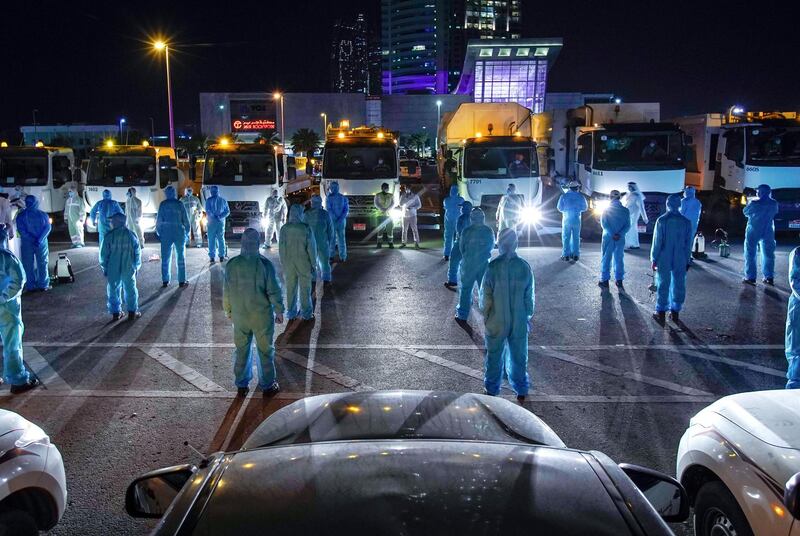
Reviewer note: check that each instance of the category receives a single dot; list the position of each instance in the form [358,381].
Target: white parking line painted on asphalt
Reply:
[229,395]
[322,370]
[446,363]
[731,362]
[186,372]
[664,384]
[40,366]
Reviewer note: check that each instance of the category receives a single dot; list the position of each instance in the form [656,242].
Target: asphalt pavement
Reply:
[121,398]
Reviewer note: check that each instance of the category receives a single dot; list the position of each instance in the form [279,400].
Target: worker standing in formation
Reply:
[571,205]
[615,221]
[275,214]
[410,203]
[760,231]
[133,215]
[384,202]
[464,221]
[217,211]
[338,207]
[669,255]
[320,222]
[34,227]
[691,208]
[509,210]
[634,202]
[251,297]
[101,213]
[476,243]
[507,304]
[792,323]
[452,210]
[12,281]
[172,228]
[298,254]
[120,259]
[74,216]
[194,211]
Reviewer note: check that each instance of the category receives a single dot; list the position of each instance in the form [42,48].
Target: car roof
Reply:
[411,487]
[402,415]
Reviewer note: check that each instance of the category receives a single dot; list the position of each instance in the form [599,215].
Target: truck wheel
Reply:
[716,512]
[17,523]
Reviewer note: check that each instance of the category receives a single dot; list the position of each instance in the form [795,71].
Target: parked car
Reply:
[33,487]
[410,169]
[431,161]
[739,461]
[407,462]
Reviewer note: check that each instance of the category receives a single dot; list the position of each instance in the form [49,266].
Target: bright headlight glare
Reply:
[531,215]
[396,214]
[32,434]
[600,205]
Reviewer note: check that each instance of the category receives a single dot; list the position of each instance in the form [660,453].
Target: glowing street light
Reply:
[278,97]
[438,120]
[159,46]
[122,122]
[324,117]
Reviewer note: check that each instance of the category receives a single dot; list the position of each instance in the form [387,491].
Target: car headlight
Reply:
[32,434]
[600,205]
[531,215]
[148,221]
[264,222]
[396,213]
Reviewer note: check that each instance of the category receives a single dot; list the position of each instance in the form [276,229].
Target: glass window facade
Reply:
[523,82]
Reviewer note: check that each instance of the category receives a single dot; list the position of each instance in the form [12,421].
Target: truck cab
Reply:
[609,156]
[45,172]
[119,167]
[246,174]
[360,160]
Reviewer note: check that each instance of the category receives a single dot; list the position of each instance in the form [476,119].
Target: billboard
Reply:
[252,115]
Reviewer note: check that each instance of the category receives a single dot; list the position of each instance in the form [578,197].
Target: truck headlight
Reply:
[148,221]
[531,215]
[396,213]
[600,205]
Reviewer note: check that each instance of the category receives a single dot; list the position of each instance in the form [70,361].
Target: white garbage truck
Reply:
[731,154]
[493,145]
[45,172]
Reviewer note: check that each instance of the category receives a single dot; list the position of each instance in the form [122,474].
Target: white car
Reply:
[739,461]
[33,487]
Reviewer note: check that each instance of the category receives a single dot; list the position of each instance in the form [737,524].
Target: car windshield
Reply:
[772,145]
[239,170]
[638,150]
[121,170]
[23,170]
[500,162]
[360,162]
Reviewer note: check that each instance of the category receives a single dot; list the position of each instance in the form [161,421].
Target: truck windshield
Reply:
[360,162]
[23,171]
[500,162]
[121,170]
[239,169]
[773,146]
[630,151]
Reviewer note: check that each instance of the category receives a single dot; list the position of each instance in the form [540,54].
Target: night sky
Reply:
[91,62]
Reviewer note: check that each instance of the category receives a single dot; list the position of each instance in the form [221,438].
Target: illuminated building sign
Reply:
[523,82]
[250,125]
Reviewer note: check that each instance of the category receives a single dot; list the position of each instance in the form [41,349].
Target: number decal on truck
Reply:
[475,181]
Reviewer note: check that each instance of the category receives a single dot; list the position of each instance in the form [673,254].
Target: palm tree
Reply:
[197,144]
[418,140]
[305,141]
[269,136]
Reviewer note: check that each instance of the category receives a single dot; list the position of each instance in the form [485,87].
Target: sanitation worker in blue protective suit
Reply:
[338,207]
[476,244]
[793,323]
[12,280]
[298,254]
[507,303]
[615,221]
[452,210]
[760,231]
[464,221]
[691,208]
[120,259]
[251,297]
[320,222]
[33,227]
[172,228]
[101,213]
[217,211]
[571,205]
[670,257]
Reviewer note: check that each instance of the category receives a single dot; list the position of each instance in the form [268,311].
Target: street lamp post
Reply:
[438,120]
[324,117]
[278,97]
[159,46]
[35,127]
[152,131]
[121,126]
